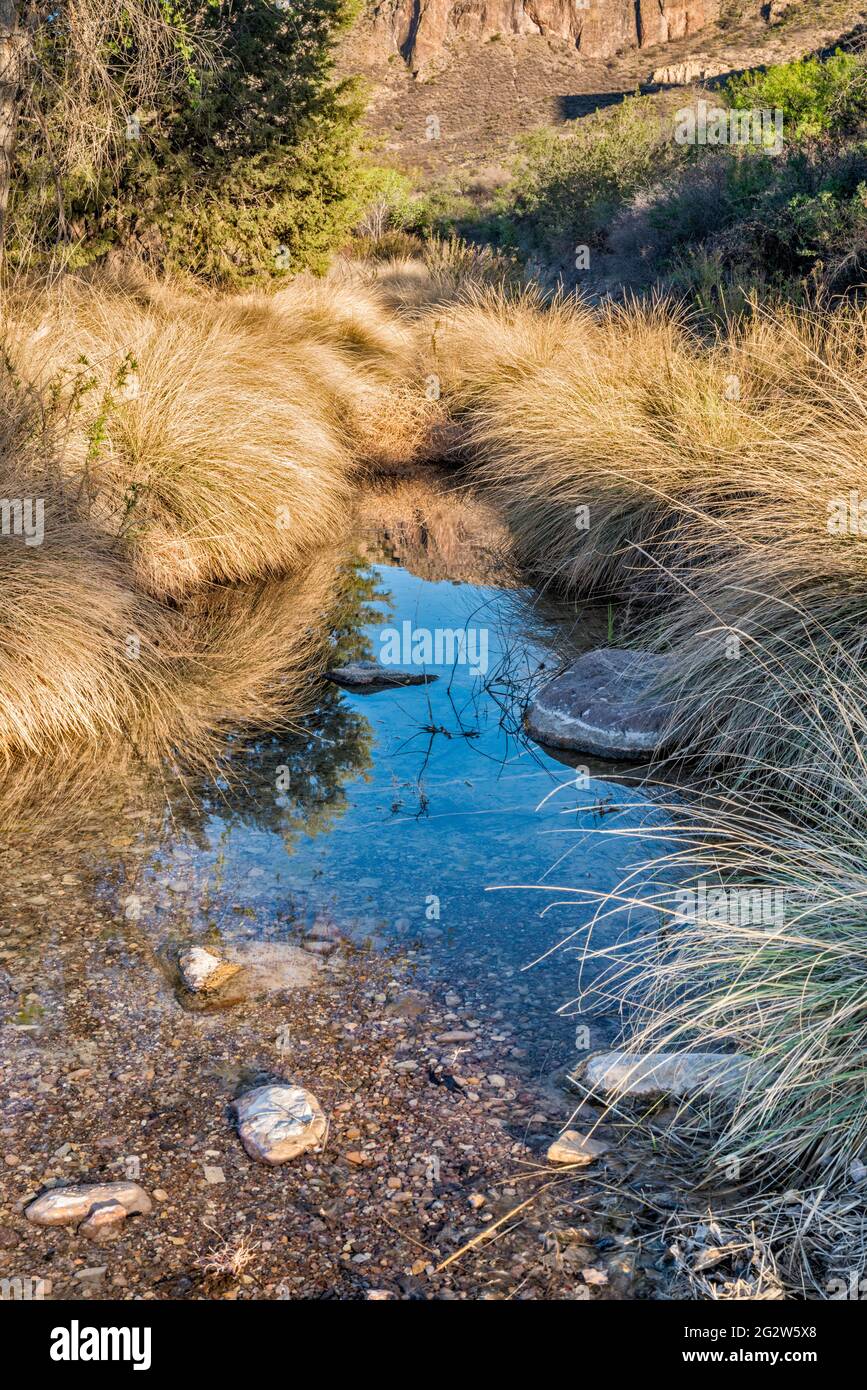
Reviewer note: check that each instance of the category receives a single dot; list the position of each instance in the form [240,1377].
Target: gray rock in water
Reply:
[323,930]
[663,1073]
[278,1122]
[319,948]
[572,1147]
[69,1206]
[599,705]
[368,675]
[272,966]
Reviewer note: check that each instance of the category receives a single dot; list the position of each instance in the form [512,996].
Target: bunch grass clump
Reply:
[195,457]
[706,477]
[780,979]
[215,439]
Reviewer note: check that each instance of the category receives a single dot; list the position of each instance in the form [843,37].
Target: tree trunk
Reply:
[12,41]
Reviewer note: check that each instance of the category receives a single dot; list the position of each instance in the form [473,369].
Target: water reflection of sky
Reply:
[443,802]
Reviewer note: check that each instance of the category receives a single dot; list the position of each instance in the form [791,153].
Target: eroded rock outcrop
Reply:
[420,29]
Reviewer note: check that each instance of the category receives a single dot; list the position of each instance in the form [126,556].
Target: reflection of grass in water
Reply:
[252,657]
[179,442]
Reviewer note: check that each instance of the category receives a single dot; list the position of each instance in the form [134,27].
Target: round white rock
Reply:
[276,1123]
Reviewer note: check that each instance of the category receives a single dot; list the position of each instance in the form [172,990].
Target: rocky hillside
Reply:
[487,70]
[420,30]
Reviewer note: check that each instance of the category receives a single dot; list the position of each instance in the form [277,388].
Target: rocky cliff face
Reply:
[420,29]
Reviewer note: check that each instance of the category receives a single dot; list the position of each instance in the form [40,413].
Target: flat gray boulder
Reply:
[371,675]
[278,1122]
[600,705]
[663,1073]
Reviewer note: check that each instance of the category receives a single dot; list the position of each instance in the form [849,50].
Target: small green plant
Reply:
[30,1012]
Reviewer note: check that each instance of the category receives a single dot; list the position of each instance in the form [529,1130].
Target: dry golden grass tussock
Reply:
[444,273]
[67,669]
[177,440]
[767,635]
[596,430]
[369,357]
[211,455]
[89,659]
[217,437]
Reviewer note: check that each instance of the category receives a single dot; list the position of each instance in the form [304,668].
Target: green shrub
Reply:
[567,188]
[804,233]
[257,164]
[817,96]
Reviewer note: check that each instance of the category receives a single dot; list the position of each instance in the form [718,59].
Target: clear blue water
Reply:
[421,817]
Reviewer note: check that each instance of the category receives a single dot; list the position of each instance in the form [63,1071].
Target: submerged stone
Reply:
[663,1073]
[67,1206]
[272,966]
[600,705]
[363,675]
[572,1147]
[278,1122]
[201,970]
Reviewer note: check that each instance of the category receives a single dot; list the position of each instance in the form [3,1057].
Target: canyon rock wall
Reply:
[420,29]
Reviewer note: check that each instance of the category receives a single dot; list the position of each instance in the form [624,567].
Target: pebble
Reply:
[202,971]
[318,948]
[278,1122]
[323,931]
[572,1147]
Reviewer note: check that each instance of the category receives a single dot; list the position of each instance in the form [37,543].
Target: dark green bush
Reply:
[256,166]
